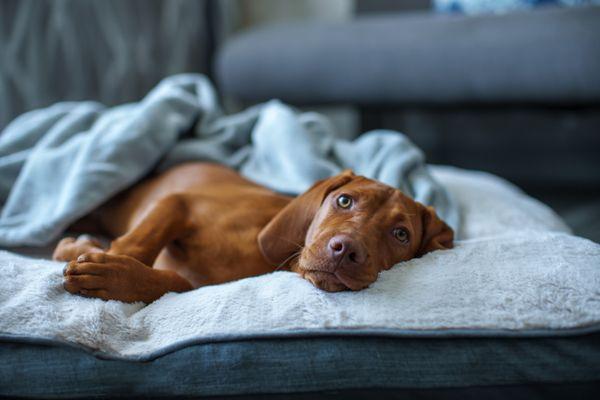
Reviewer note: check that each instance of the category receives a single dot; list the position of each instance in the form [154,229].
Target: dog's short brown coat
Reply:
[201,224]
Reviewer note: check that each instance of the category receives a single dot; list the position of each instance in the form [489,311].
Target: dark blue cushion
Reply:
[294,365]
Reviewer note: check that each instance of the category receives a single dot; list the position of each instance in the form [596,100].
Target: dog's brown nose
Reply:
[346,251]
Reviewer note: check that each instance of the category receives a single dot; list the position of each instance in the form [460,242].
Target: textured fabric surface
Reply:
[301,365]
[546,56]
[58,164]
[516,270]
[111,51]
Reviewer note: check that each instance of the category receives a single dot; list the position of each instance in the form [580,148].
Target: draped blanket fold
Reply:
[59,163]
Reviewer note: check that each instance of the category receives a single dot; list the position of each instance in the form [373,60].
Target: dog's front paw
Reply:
[69,248]
[109,277]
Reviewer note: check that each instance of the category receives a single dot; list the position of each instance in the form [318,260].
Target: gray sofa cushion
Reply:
[543,56]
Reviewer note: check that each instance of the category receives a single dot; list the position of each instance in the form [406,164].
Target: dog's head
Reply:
[345,229]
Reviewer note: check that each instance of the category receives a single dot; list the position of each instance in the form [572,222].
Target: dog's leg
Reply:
[124,272]
[118,277]
[165,222]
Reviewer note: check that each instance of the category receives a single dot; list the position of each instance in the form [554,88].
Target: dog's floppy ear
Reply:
[436,235]
[286,232]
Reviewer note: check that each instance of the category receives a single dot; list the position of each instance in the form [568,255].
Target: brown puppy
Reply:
[200,224]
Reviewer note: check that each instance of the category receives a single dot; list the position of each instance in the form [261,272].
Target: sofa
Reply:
[511,109]
[515,94]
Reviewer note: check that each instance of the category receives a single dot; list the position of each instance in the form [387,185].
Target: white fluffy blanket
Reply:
[516,267]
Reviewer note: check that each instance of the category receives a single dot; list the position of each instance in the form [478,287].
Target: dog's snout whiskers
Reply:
[287,260]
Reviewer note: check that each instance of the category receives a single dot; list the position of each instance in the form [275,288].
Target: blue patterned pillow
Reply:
[501,6]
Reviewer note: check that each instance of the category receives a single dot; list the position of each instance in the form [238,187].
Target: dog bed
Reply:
[515,304]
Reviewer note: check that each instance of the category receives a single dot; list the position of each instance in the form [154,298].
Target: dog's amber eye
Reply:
[344,201]
[401,234]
